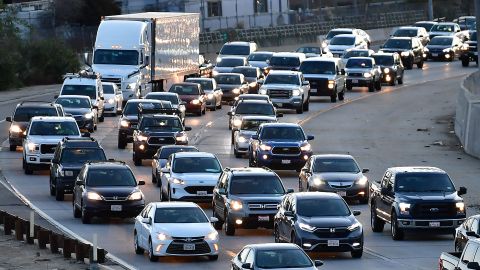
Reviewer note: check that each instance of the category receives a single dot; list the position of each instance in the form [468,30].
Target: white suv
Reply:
[85,84]
[42,137]
[236,48]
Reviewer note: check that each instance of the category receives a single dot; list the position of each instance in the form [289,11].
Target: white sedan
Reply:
[175,229]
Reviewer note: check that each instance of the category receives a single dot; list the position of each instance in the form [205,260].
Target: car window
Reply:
[282,79]
[256,184]
[84,90]
[359,63]
[469,252]
[335,165]
[282,258]
[145,211]
[24,114]
[184,89]
[252,124]
[250,258]
[180,215]
[423,182]
[82,155]
[285,61]
[44,128]
[71,102]
[102,177]
[161,124]
[255,109]
[283,133]
[228,79]
[108,89]
[222,183]
[243,255]
[288,204]
[330,207]
[196,165]
[318,67]
[159,96]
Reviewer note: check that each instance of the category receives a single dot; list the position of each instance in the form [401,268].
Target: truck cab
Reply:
[326,77]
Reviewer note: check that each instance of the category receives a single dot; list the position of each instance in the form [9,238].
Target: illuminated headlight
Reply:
[317,181]
[464,47]
[265,147]
[131,85]
[241,139]
[32,147]
[214,73]
[237,122]
[89,115]
[219,59]
[124,123]
[306,147]
[15,129]
[195,102]
[262,91]
[142,138]
[67,173]
[306,227]
[135,196]
[253,84]
[181,137]
[367,75]
[236,91]
[111,101]
[178,181]
[460,207]
[446,50]
[93,196]
[354,226]
[212,236]
[362,181]
[163,236]
[404,208]
[324,44]
[447,55]
[210,96]
[296,92]
[386,70]
[236,205]
[181,108]
[405,53]
[331,84]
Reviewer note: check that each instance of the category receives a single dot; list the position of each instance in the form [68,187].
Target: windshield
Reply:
[116,57]
[473,36]
[442,28]
[423,182]
[383,60]
[290,61]
[405,33]
[255,108]
[330,207]
[228,79]
[441,41]
[247,72]
[226,62]
[315,50]
[261,57]
[82,90]
[131,108]
[105,177]
[108,89]
[342,41]
[235,50]
[256,184]
[359,63]
[167,151]
[180,215]
[335,165]
[282,79]
[253,125]
[333,33]
[318,67]
[72,102]
[24,114]
[158,96]
[196,165]
[82,155]
[356,53]
[283,133]
[45,128]
[427,26]
[398,44]
[282,258]
[206,84]
[184,89]
[167,124]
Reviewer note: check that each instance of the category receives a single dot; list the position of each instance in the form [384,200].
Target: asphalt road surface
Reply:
[379,129]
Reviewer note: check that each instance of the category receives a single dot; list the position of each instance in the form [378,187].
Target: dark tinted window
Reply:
[322,207]
[228,79]
[235,50]
[161,124]
[255,108]
[82,90]
[356,53]
[335,165]
[318,67]
[256,184]
[180,215]
[359,63]
[206,84]
[333,33]
[441,41]
[184,89]
[290,61]
[116,57]
[427,26]
[54,128]
[167,151]
[315,50]
[24,114]
[196,165]
[282,258]
[283,133]
[157,96]
[398,44]
[282,79]
[342,41]
[252,124]
[423,182]
[442,28]
[82,155]
[103,177]
[71,102]
[473,36]
[383,60]
[108,89]
[247,72]
[405,33]
[226,62]
[131,108]
[259,57]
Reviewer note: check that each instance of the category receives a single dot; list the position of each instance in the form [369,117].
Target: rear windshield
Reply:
[180,215]
[230,63]
[103,177]
[283,133]
[72,102]
[318,67]
[83,90]
[157,96]
[167,151]
[256,184]
[441,41]
[329,207]
[184,89]
[405,33]
[283,259]
[398,44]
[82,155]
[228,79]
[161,124]
[24,114]
[342,41]
[206,84]
[423,182]
[255,108]
[235,50]
[383,60]
[356,53]
[54,128]
[359,63]
[333,33]
[261,57]
[290,61]
[247,72]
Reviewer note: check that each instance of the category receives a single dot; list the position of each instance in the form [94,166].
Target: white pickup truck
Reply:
[468,259]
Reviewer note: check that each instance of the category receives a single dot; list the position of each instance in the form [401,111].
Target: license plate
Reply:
[354,81]
[342,193]
[434,54]
[116,208]
[333,243]
[263,218]
[313,90]
[201,192]
[286,161]
[188,246]
[434,224]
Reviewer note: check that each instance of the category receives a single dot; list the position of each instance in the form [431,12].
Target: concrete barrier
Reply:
[467,116]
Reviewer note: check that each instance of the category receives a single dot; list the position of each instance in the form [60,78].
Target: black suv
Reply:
[68,159]
[468,52]
[416,198]
[319,221]
[246,198]
[106,189]
[410,50]
[22,115]
[392,67]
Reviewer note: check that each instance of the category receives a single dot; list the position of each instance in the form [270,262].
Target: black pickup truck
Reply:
[416,198]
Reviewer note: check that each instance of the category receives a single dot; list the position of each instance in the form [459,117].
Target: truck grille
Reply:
[262,205]
[275,93]
[116,81]
[195,189]
[177,247]
[161,140]
[340,232]
[115,198]
[355,74]
[286,150]
[47,148]
[434,210]
[318,83]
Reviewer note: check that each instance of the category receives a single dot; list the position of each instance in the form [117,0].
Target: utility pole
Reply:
[430,10]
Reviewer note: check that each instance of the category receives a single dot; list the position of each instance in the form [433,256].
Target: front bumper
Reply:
[149,150]
[176,247]
[40,160]
[65,183]
[353,192]
[282,162]
[428,224]
[197,193]
[193,108]
[471,56]
[252,219]
[311,242]
[104,208]
[290,103]
[359,81]
[439,55]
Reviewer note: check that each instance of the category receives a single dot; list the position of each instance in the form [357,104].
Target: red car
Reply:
[193,96]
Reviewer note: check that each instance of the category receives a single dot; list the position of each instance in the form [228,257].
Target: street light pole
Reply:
[430,10]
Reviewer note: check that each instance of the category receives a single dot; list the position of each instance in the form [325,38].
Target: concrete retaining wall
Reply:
[467,117]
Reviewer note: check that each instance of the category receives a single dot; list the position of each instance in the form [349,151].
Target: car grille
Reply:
[115,198]
[275,93]
[47,148]
[116,81]
[434,210]
[333,232]
[161,140]
[286,150]
[262,205]
[340,184]
[355,74]
[436,50]
[472,47]
[177,246]
[318,83]
[195,189]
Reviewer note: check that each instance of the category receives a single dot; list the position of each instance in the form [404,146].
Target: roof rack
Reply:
[82,74]
[155,108]
[90,139]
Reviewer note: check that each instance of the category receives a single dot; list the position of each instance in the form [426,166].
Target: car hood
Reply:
[337,48]
[77,111]
[338,176]
[200,177]
[223,69]
[114,71]
[283,143]
[258,197]
[113,191]
[428,196]
[183,229]
[259,64]
[47,139]
[327,222]
[280,86]
[438,46]
[319,76]
[229,86]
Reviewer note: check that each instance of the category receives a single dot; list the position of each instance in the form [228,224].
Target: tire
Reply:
[465,63]
[236,153]
[306,105]
[199,113]
[163,198]
[91,130]
[250,161]
[59,194]
[219,224]
[137,161]
[136,247]
[371,87]
[213,257]
[341,96]
[52,189]
[378,85]
[13,148]
[151,257]
[400,80]
[229,227]
[452,57]
[348,86]
[204,110]
[364,200]
[376,223]
[86,219]
[154,179]
[300,110]
[357,254]
[276,235]
[102,118]
[27,169]
[76,212]
[333,97]
[232,139]
[396,232]
[420,64]
[122,143]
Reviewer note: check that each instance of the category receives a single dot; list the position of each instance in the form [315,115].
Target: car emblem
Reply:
[285,149]
[201,182]
[115,198]
[188,239]
[332,230]
[434,209]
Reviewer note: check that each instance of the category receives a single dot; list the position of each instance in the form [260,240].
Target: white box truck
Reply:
[146,52]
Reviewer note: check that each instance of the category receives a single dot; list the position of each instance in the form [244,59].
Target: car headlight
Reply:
[306,147]
[32,147]
[212,236]
[331,84]
[236,91]
[241,139]
[296,92]
[362,181]
[265,147]
[195,102]
[237,122]
[178,181]
[324,44]
[460,207]
[464,47]
[135,196]
[218,60]
[111,101]
[181,137]
[252,84]
[317,181]
[93,196]
[405,53]
[210,96]
[306,227]
[163,237]
[404,208]
[262,91]
[214,73]
[142,138]
[124,123]
[181,108]
[15,129]
[131,85]
[386,70]
[446,50]
[236,205]
[355,226]
[88,115]
[67,173]
[367,75]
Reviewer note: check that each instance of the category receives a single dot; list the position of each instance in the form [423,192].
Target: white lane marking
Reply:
[48,92]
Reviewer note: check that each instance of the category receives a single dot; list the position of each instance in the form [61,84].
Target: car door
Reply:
[468,255]
[139,226]
[220,196]
[388,197]
[79,188]
[165,175]
[147,229]
[339,77]
[305,173]
[399,65]
[281,216]
[238,261]
[380,200]
[250,259]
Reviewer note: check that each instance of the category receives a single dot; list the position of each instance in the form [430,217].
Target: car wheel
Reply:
[229,227]
[371,87]
[378,85]
[420,64]
[236,153]
[375,222]
[465,63]
[306,105]
[204,110]
[102,118]
[137,161]
[219,224]
[163,198]
[348,86]
[52,188]
[154,179]
[232,139]
[86,219]
[122,143]
[76,212]
[397,233]
[300,109]
[199,113]
[13,148]
[219,105]
[400,80]
[151,256]
[250,161]
[276,235]
[333,97]
[341,96]
[213,257]
[137,248]
[169,194]
[27,168]
[59,194]
[409,64]
[357,254]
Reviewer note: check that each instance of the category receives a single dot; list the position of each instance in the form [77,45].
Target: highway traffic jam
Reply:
[154,98]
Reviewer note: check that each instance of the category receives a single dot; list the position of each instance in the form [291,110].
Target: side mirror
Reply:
[147,220]
[255,137]
[222,191]
[342,72]
[356,212]
[188,128]
[230,113]
[85,59]
[86,134]
[365,170]
[56,96]
[246,266]
[8,119]
[213,219]
[290,190]
[471,234]
[102,98]
[260,81]
[318,263]
[288,213]
[473,265]
[462,191]
[79,183]
[141,183]
[279,114]
[310,137]
[305,83]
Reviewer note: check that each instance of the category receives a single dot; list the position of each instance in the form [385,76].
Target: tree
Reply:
[84,12]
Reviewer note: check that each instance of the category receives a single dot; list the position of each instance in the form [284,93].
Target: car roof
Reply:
[288,54]
[258,117]
[80,143]
[74,96]
[280,125]
[262,52]
[342,29]
[270,246]
[242,96]
[402,38]
[193,154]
[432,22]
[178,146]
[146,100]
[53,118]
[80,81]
[174,204]
[36,104]
[346,35]
[409,27]
[159,94]
[107,164]
[200,79]
[244,43]
[230,74]
[322,59]
[315,195]
[337,156]
[185,83]
[447,23]
[284,72]
[234,57]
[250,171]
[383,54]
[413,169]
